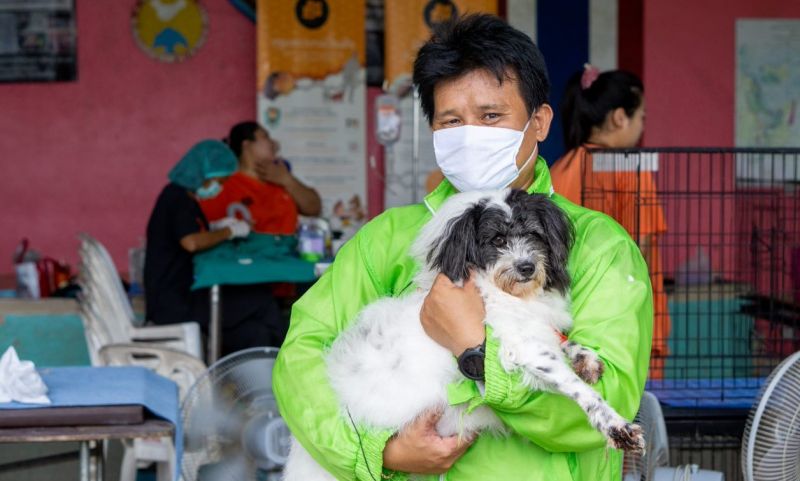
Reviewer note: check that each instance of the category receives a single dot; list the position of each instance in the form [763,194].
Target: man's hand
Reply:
[453,316]
[275,172]
[419,448]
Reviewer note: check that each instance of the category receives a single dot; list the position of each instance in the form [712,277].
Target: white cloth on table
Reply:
[19,380]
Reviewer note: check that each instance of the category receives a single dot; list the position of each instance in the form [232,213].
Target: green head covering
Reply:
[206,160]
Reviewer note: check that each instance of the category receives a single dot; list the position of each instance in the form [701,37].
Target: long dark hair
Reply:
[241,132]
[584,108]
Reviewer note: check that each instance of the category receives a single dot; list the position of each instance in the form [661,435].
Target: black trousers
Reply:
[251,316]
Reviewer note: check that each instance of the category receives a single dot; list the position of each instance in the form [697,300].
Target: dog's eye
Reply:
[499,241]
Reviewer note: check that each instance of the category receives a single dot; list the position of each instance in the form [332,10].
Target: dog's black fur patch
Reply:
[541,219]
[462,247]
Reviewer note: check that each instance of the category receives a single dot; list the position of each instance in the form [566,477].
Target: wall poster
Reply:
[38,41]
[312,97]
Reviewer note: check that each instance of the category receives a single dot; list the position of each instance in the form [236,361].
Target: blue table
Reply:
[257,259]
[86,392]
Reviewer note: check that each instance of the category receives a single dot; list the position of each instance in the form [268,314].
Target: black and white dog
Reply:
[387,371]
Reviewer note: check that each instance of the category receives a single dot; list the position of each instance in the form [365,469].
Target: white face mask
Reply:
[213,190]
[475,157]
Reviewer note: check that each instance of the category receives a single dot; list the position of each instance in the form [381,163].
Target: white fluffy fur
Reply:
[387,371]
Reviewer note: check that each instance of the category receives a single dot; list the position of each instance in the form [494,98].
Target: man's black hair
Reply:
[480,41]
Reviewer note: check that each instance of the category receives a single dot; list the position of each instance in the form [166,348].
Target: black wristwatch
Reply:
[470,362]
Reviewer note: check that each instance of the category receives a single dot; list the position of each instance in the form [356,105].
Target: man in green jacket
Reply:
[483,87]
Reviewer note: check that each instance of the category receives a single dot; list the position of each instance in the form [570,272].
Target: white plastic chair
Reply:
[172,364]
[108,315]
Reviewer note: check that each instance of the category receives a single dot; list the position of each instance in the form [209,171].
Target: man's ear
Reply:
[541,121]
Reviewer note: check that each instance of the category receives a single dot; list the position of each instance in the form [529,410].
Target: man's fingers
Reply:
[456,445]
[425,424]
[470,282]
[431,418]
[468,439]
[443,280]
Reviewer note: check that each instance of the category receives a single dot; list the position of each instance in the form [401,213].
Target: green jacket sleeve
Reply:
[305,398]
[612,310]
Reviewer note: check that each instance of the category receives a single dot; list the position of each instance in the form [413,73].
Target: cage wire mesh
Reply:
[720,231]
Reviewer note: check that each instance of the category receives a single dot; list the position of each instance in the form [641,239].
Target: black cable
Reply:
[363,452]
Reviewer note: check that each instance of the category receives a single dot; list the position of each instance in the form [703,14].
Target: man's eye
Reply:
[452,122]
[491,116]
[499,241]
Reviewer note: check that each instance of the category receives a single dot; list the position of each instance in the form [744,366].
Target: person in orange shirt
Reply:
[607,110]
[263,190]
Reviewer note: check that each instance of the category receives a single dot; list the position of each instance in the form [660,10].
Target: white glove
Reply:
[222,223]
[239,228]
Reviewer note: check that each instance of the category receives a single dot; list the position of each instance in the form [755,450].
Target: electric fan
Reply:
[650,418]
[771,440]
[232,429]
[652,466]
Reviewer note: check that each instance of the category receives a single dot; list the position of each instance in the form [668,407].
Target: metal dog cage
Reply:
[720,229]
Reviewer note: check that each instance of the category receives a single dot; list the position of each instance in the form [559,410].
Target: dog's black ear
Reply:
[558,233]
[457,249]
[560,237]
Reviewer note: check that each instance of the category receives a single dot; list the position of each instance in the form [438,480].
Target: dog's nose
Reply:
[526,268]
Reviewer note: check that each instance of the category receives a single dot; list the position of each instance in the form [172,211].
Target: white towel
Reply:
[19,380]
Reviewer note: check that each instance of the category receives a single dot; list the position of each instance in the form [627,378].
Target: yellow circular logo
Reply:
[169,30]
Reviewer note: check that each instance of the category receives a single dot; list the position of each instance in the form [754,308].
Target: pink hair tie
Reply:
[590,74]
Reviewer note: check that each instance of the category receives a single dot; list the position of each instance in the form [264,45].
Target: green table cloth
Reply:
[256,259]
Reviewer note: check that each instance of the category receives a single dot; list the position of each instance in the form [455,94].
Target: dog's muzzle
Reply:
[525,269]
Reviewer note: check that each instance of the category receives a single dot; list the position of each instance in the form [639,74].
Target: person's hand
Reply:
[275,172]
[419,449]
[453,316]
[222,223]
[239,229]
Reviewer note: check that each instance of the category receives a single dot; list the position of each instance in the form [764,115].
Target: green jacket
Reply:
[613,314]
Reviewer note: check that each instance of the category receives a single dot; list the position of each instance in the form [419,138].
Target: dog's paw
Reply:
[588,366]
[628,437]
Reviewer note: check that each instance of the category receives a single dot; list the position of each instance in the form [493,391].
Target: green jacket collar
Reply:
[541,185]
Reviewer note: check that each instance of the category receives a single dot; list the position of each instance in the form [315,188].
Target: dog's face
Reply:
[520,241]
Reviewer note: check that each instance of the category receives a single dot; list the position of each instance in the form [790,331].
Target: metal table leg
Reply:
[84,461]
[215,328]
[99,457]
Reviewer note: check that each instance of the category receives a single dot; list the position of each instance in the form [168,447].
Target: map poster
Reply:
[767,83]
[312,97]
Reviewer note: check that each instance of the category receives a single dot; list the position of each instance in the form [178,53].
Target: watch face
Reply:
[471,364]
